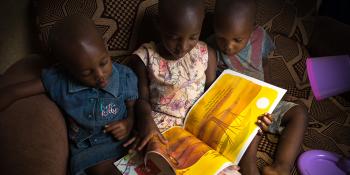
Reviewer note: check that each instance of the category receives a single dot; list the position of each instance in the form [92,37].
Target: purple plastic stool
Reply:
[319,162]
[329,76]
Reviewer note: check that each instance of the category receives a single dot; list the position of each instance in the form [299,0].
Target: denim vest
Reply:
[88,109]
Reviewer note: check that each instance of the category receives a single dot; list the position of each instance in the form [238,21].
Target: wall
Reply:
[17,32]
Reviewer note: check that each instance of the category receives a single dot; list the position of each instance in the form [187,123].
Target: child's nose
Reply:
[229,47]
[99,74]
[182,46]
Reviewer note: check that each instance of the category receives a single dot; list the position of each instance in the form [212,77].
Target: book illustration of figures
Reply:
[218,128]
[133,164]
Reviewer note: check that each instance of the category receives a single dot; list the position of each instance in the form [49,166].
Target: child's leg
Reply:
[104,168]
[248,162]
[288,148]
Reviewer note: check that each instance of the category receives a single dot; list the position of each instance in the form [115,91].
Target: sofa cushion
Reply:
[32,130]
[287,62]
[33,138]
[118,21]
[331,37]
[23,70]
[293,19]
[122,22]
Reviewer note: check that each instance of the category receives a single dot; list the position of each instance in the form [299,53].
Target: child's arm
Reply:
[211,69]
[12,93]
[121,129]
[144,122]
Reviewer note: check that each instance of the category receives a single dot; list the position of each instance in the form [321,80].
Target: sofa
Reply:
[33,133]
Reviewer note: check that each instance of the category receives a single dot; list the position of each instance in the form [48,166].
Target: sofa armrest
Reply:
[25,69]
[33,133]
[33,138]
[330,37]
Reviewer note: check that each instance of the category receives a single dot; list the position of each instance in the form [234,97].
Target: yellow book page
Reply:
[191,156]
[224,117]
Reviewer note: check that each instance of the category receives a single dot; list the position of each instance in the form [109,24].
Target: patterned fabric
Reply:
[329,119]
[88,110]
[118,21]
[291,18]
[174,85]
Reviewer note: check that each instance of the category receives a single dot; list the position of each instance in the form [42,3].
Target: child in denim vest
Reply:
[96,96]
[243,47]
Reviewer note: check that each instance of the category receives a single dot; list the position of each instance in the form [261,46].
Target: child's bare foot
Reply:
[275,170]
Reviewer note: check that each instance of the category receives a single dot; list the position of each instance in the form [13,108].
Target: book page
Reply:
[225,116]
[190,155]
[133,164]
[184,154]
[217,131]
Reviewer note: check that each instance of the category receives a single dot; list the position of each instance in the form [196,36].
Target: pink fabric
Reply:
[250,59]
[175,85]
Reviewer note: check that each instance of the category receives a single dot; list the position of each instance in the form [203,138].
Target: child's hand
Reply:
[140,139]
[119,129]
[289,98]
[132,142]
[231,170]
[148,133]
[264,121]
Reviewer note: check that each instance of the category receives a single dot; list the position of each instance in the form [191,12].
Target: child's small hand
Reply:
[132,142]
[148,134]
[289,98]
[231,170]
[119,129]
[140,139]
[264,121]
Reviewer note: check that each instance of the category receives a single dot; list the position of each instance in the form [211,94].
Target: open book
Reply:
[217,130]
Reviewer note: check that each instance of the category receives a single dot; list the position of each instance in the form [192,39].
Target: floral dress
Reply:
[174,85]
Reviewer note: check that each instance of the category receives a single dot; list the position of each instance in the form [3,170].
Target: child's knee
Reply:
[299,114]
